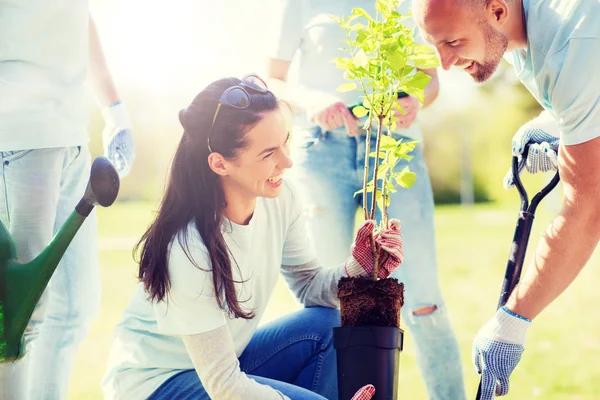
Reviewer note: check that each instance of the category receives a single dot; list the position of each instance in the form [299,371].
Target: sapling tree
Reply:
[383,62]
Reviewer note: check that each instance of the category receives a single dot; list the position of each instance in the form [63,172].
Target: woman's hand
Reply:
[387,242]
[364,393]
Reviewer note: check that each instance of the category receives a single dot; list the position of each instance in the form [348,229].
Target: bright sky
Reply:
[171,50]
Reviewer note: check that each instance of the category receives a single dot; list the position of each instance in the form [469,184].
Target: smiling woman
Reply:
[227,225]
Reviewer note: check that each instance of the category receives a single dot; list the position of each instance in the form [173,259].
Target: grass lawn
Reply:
[562,357]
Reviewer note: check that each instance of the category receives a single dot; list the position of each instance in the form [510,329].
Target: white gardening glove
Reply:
[542,135]
[117,138]
[497,350]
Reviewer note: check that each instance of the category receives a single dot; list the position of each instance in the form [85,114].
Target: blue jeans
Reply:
[328,168]
[38,191]
[293,354]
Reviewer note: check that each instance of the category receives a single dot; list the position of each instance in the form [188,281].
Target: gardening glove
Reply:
[389,244]
[497,350]
[364,393]
[542,136]
[117,138]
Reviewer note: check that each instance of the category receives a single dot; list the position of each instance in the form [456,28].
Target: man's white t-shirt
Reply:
[148,349]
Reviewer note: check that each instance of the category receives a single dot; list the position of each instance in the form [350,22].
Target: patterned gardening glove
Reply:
[388,243]
[364,393]
[497,350]
[117,138]
[541,134]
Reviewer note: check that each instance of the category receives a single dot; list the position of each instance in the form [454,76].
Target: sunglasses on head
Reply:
[238,96]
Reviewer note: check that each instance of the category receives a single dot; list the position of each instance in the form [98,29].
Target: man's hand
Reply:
[497,350]
[330,113]
[389,244]
[364,393]
[117,138]
[411,107]
[541,134]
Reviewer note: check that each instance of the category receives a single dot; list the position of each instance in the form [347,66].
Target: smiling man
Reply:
[555,46]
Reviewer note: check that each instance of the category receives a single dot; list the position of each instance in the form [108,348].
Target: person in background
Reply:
[329,151]
[45,51]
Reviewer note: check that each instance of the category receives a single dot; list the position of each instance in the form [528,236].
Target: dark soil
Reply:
[364,302]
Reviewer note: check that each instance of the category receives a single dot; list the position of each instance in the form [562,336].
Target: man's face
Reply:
[464,37]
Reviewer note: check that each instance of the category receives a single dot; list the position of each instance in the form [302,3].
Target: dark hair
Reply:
[194,193]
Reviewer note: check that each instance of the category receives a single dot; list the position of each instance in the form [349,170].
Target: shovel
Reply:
[521,235]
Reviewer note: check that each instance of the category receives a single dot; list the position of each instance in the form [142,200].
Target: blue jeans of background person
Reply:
[293,354]
[328,168]
[38,191]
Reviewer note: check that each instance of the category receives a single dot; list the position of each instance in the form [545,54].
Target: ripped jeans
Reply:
[328,168]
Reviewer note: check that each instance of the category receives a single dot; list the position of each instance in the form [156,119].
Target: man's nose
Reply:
[447,57]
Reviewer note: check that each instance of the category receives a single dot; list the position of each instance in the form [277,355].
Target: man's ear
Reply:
[497,12]
[218,164]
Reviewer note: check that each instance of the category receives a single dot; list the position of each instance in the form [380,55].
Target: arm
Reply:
[433,87]
[99,78]
[411,106]
[316,285]
[217,366]
[572,236]
[117,134]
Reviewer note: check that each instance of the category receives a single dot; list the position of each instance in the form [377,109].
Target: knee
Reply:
[324,319]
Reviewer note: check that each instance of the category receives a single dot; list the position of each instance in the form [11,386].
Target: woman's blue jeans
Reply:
[293,354]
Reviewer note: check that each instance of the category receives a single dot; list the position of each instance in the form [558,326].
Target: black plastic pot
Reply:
[368,355]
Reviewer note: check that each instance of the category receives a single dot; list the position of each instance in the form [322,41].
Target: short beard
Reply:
[495,46]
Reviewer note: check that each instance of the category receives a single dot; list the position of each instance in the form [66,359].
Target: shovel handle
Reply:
[521,235]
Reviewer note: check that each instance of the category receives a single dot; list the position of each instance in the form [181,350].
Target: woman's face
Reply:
[258,169]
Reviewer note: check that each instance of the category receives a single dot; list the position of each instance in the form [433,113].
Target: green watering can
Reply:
[22,285]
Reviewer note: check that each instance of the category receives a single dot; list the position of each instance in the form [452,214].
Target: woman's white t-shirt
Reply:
[148,349]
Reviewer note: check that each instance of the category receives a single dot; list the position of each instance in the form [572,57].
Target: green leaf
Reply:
[360,111]
[362,13]
[406,178]
[346,87]
[360,59]
[387,143]
[415,85]
[396,59]
[358,26]
[381,154]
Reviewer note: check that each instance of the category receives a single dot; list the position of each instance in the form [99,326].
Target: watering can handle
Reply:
[103,187]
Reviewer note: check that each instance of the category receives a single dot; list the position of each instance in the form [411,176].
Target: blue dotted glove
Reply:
[497,350]
[541,134]
[117,138]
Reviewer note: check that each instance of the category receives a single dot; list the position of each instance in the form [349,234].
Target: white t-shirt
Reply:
[303,31]
[148,349]
[43,64]
[560,65]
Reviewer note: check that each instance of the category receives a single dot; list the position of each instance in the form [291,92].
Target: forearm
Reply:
[314,285]
[432,89]
[218,368]
[561,254]
[299,97]
[99,78]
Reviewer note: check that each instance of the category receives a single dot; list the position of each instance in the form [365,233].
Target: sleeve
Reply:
[297,248]
[190,306]
[217,366]
[574,96]
[284,33]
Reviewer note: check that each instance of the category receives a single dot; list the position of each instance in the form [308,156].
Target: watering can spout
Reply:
[22,284]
